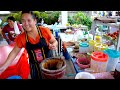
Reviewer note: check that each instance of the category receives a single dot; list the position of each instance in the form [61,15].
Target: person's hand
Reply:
[52,47]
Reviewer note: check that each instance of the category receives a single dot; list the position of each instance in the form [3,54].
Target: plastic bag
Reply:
[16,28]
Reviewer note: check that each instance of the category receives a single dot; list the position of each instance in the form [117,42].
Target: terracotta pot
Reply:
[53,68]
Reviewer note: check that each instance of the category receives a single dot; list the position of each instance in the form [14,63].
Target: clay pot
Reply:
[53,68]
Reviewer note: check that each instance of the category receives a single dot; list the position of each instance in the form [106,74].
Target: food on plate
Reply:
[76,47]
[69,43]
[69,31]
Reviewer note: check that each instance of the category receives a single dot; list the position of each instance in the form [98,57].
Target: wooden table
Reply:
[70,70]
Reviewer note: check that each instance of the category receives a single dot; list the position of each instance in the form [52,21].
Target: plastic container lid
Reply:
[99,56]
[97,36]
[84,44]
[92,42]
[112,53]
[101,46]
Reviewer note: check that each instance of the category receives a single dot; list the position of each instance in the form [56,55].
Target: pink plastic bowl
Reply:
[83,63]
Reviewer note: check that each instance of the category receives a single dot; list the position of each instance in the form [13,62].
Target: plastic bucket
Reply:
[99,61]
[113,59]
[84,47]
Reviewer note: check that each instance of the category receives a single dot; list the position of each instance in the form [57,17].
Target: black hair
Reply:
[29,12]
[40,20]
[11,18]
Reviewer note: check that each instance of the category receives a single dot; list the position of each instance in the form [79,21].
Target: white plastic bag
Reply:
[16,28]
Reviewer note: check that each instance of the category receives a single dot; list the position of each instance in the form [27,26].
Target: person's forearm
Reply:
[55,43]
[4,36]
[11,57]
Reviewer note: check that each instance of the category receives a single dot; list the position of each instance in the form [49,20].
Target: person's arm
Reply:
[50,38]
[4,35]
[10,58]
[53,43]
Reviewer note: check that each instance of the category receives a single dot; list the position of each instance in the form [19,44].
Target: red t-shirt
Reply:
[7,29]
[21,40]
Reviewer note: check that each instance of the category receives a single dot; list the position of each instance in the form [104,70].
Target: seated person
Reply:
[8,30]
[1,38]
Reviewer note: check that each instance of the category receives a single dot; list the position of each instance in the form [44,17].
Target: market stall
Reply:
[83,51]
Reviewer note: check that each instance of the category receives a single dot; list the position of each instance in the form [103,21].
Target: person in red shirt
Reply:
[38,41]
[8,30]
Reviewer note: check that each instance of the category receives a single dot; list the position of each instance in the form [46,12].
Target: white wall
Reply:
[64,15]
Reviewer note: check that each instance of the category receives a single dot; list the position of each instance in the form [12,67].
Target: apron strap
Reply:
[39,32]
[26,36]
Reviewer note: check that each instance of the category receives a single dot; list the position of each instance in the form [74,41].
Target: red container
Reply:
[99,61]
[83,63]
[53,68]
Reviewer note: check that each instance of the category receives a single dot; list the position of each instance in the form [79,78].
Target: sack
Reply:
[16,28]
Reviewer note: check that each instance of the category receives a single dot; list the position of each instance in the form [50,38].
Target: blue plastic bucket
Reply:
[113,59]
[14,77]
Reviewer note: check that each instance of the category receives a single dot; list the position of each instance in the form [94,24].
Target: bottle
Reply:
[98,38]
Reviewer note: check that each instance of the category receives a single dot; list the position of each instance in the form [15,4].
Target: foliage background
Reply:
[52,17]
